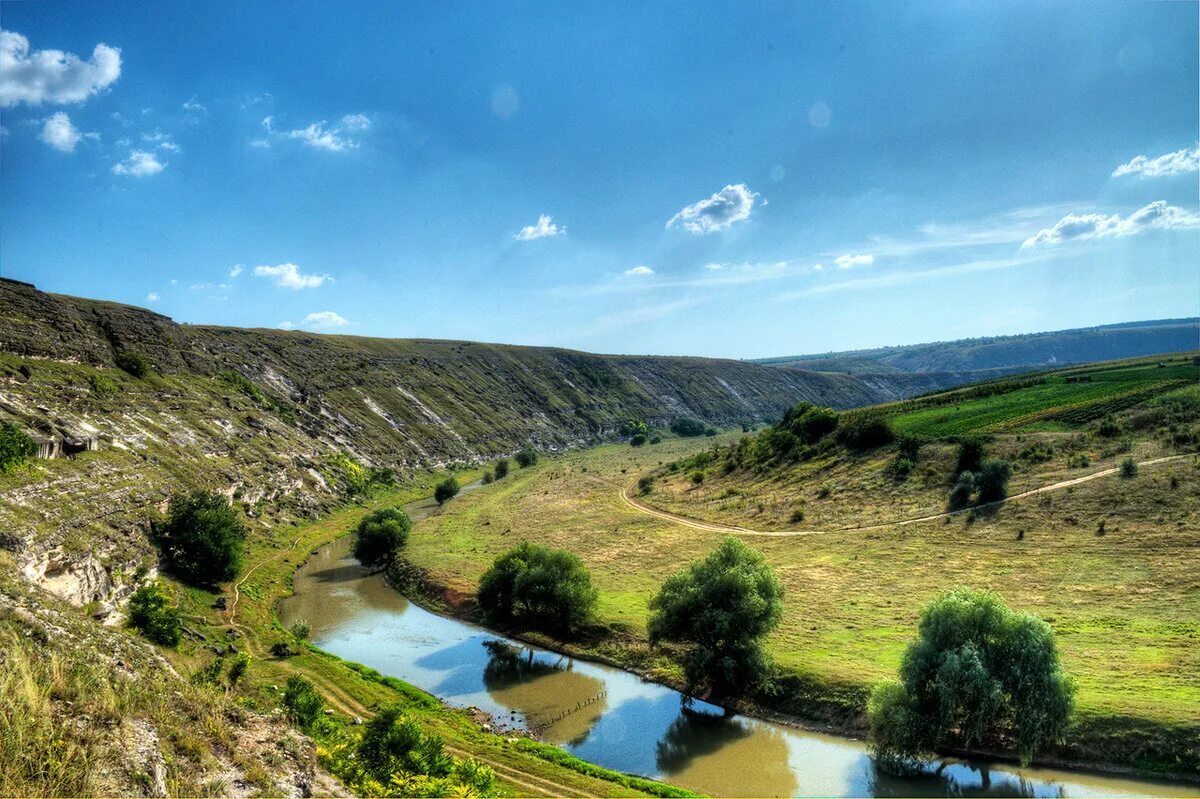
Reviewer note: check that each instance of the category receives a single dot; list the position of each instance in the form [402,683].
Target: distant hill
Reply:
[1000,355]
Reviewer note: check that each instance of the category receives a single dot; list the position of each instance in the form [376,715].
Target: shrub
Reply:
[864,431]
[1108,428]
[697,477]
[133,363]
[501,469]
[16,447]
[710,432]
[301,630]
[392,743]
[1129,468]
[526,457]
[796,517]
[992,480]
[102,385]
[445,490]
[543,588]
[964,487]
[238,668]
[656,439]
[304,705]
[487,477]
[1079,461]
[645,484]
[978,672]
[910,446]
[635,427]
[380,534]
[153,613]
[901,468]
[971,452]
[637,440]
[722,606]
[204,538]
[687,428]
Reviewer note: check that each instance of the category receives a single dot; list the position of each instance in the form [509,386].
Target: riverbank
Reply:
[350,690]
[572,502]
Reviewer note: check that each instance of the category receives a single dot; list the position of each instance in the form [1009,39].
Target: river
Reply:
[616,719]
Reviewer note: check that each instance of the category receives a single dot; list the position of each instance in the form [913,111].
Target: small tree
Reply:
[645,484]
[543,588]
[204,538]
[978,673]
[527,457]
[1129,468]
[446,490]
[133,363]
[153,613]
[637,440]
[16,447]
[971,452]
[964,488]
[501,469]
[303,703]
[687,428]
[301,629]
[861,431]
[993,480]
[723,606]
[392,743]
[380,535]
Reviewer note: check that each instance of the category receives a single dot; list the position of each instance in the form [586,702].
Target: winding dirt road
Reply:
[629,498]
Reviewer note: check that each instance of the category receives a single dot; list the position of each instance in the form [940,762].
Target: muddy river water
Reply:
[616,719]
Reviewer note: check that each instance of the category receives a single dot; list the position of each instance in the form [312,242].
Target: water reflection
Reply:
[719,751]
[954,778]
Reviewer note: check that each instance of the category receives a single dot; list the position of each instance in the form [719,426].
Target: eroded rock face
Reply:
[82,578]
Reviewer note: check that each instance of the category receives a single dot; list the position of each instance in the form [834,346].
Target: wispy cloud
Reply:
[1176,163]
[639,270]
[851,261]
[326,319]
[543,228]
[61,134]
[902,277]
[152,297]
[730,205]
[289,276]
[235,270]
[320,135]
[52,76]
[139,164]
[1155,216]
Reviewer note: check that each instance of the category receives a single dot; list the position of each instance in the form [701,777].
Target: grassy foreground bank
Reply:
[1124,604]
[523,767]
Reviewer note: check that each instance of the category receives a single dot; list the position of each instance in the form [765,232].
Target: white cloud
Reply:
[235,270]
[139,164]
[714,267]
[286,326]
[152,297]
[319,135]
[640,270]
[194,107]
[545,227]
[818,267]
[851,261]
[1155,216]
[59,133]
[325,319]
[52,76]
[161,140]
[731,204]
[289,276]
[1176,163]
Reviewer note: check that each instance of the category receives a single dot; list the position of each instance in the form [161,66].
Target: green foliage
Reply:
[863,431]
[992,481]
[978,673]
[203,538]
[245,385]
[1108,428]
[501,468]
[527,457]
[153,613]
[637,440]
[711,432]
[697,477]
[1080,461]
[487,478]
[304,705]
[380,534]
[964,488]
[1129,468]
[909,446]
[687,428]
[539,587]
[133,363]
[645,485]
[635,427]
[238,667]
[901,468]
[656,439]
[723,606]
[300,630]
[446,490]
[102,385]
[971,452]
[392,743]
[16,447]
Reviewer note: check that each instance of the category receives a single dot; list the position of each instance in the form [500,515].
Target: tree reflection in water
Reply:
[558,703]
[953,778]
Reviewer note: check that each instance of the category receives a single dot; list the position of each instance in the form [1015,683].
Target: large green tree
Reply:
[380,535]
[723,606]
[544,588]
[977,673]
[203,538]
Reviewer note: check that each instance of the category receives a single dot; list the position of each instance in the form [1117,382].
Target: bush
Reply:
[16,447]
[796,517]
[910,446]
[992,481]
[697,477]
[102,385]
[978,673]
[687,428]
[710,432]
[392,743]
[655,439]
[539,587]
[133,363]
[864,431]
[301,630]
[964,488]
[645,484]
[487,477]
[304,705]
[637,440]
[635,427]
[446,490]
[527,457]
[901,468]
[380,535]
[204,538]
[722,606]
[1079,461]
[1108,428]
[971,452]
[501,469]
[1129,468]
[238,668]
[153,613]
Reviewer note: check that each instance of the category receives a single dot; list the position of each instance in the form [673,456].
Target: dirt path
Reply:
[628,497]
[237,587]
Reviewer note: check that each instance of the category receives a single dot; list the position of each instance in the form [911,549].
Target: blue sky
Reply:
[732,179]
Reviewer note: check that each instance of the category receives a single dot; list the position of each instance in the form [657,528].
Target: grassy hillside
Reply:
[1108,561]
[1024,352]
